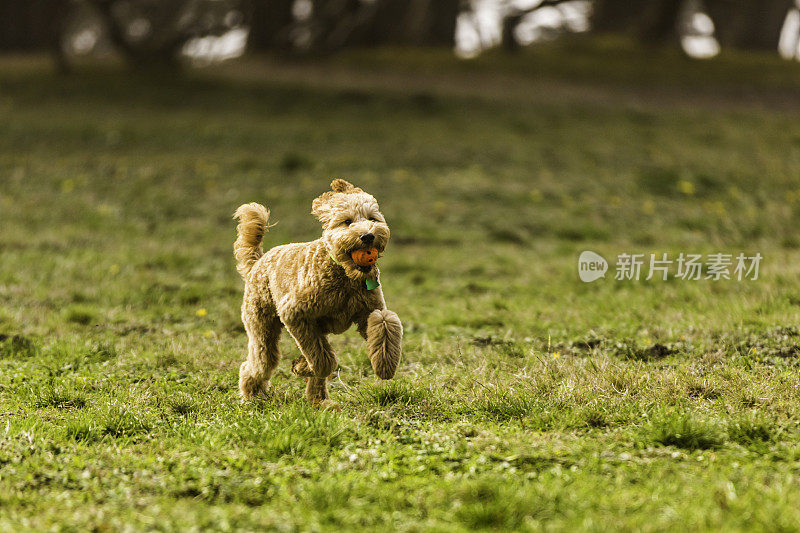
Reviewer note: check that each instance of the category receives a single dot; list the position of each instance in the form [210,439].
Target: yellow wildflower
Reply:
[686,187]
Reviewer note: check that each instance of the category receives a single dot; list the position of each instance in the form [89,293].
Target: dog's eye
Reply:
[348,222]
[372,219]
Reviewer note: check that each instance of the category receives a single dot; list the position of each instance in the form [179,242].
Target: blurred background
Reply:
[502,138]
[147,32]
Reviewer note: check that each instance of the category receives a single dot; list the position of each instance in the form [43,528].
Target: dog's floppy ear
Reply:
[321,208]
[340,185]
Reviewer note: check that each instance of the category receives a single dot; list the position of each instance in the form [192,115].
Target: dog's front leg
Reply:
[383,332]
[319,356]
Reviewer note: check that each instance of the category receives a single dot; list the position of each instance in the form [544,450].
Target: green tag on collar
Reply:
[370,284]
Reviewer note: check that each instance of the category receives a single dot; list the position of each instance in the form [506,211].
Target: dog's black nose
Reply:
[367,238]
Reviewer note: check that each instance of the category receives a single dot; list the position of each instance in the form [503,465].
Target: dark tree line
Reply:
[335,24]
[750,25]
[29,24]
[746,24]
[153,31]
[149,32]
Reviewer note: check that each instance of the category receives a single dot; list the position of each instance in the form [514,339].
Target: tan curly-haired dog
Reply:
[313,289]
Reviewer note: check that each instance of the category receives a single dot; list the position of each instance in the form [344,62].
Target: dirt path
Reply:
[505,86]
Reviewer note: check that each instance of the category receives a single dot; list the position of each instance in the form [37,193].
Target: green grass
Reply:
[525,399]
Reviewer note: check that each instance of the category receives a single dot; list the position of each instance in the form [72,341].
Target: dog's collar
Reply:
[368,283]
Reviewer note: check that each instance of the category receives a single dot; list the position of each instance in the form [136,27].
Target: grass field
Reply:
[525,399]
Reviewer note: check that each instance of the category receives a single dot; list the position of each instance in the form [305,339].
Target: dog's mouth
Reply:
[364,257]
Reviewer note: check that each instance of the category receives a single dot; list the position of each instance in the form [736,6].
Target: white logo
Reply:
[591,266]
[637,267]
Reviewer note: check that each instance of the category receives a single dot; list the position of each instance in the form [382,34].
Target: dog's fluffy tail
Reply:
[250,232]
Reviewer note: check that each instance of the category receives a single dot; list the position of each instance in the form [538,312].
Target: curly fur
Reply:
[252,226]
[314,289]
[384,340]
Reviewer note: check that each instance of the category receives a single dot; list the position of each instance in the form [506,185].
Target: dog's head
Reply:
[350,220]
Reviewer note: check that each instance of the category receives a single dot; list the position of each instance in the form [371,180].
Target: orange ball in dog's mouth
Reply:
[365,257]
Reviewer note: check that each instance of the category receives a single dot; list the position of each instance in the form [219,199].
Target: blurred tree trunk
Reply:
[613,16]
[748,24]
[507,39]
[13,17]
[158,52]
[26,25]
[443,18]
[398,22]
[659,22]
[35,24]
[57,12]
[335,24]
[386,25]
[651,21]
[270,23]
[766,19]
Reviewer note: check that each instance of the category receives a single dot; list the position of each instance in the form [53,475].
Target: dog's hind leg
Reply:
[319,356]
[263,333]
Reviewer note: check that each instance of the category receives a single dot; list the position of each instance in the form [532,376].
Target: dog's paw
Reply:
[300,367]
[251,391]
[384,342]
[251,386]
